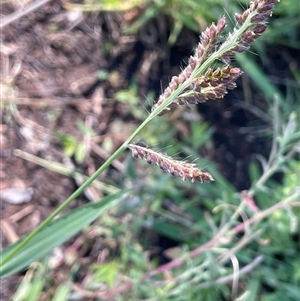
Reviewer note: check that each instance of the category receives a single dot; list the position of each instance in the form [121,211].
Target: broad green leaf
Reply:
[55,234]
[61,293]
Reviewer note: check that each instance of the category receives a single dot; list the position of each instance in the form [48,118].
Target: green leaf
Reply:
[69,143]
[84,129]
[253,287]
[254,171]
[106,272]
[128,96]
[55,234]
[80,152]
[29,290]
[61,293]
[32,284]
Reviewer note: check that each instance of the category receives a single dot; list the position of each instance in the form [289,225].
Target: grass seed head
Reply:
[250,25]
[177,168]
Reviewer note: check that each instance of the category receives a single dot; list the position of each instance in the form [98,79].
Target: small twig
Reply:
[8,231]
[22,12]
[53,102]
[21,214]
[240,245]
[63,170]
[263,214]
[276,128]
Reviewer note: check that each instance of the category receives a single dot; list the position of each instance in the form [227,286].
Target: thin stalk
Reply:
[63,170]
[276,129]
[22,12]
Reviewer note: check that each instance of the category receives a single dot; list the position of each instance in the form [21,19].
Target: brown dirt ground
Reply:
[50,61]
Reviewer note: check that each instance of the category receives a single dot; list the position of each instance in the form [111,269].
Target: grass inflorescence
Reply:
[166,163]
[208,244]
[200,81]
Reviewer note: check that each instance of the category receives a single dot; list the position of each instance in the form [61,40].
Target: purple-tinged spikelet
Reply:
[260,11]
[208,42]
[212,84]
[176,168]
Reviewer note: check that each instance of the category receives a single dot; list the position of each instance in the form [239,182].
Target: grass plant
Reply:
[210,257]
